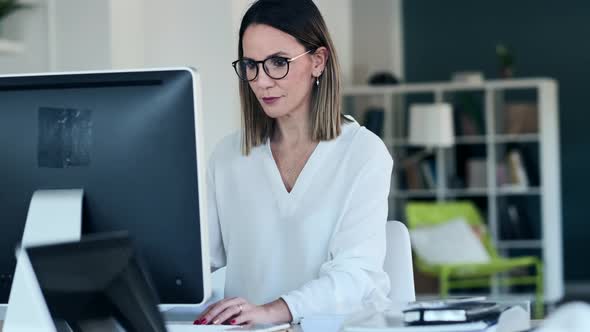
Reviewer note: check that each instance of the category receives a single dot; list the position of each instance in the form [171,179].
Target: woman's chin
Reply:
[273,113]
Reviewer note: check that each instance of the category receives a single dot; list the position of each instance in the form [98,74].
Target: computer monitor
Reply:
[98,280]
[131,141]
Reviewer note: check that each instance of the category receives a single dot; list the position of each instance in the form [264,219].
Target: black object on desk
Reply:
[98,278]
[439,312]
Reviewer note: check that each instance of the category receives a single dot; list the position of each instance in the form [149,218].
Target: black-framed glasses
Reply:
[276,67]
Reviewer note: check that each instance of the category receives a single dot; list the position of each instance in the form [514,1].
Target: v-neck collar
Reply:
[286,200]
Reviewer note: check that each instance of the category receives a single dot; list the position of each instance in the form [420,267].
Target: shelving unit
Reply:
[475,139]
[543,194]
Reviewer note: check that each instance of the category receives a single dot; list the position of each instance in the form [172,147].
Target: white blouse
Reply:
[320,247]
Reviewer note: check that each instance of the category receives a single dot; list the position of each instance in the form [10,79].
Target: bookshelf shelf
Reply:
[468,192]
[426,193]
[515,192]
[474,139]
[483,155]
[519,244]
[517,138]
[402,143]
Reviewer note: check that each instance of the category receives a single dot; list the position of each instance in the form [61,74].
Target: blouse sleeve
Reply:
[353,278]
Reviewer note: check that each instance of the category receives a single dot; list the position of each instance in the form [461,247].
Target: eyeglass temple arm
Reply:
[299,56]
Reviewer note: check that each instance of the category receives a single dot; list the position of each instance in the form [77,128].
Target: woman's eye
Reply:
[250,64]
[278,61]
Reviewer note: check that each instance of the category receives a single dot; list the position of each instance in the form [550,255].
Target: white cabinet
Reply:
[496,123]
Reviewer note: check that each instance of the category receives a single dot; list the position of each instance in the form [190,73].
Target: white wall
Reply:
[81,39]
[93,34]
[377,38]
[338,17]
[127,35]
[239,8]
[198,34]
[30,28]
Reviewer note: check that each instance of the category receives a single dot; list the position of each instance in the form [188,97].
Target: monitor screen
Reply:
[129,140]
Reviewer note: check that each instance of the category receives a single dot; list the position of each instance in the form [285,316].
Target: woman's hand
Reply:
[238,311]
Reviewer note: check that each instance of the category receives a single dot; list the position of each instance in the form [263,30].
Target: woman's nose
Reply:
[263,80]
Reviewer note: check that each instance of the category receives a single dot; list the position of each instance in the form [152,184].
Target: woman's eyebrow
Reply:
[279,53]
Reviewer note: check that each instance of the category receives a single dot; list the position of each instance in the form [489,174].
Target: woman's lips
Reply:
[270,100]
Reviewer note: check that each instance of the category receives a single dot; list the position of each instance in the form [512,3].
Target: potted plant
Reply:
[506,60]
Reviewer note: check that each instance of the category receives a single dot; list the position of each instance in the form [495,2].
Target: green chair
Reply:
[464,276]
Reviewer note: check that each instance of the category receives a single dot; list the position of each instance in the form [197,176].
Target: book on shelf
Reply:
[476,173]
[519,170]
[517,174]
[516,220]
[502,175]
[420,175]
[428,173]
[414,179]
[521,118]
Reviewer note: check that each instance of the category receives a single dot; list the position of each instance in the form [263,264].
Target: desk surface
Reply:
[292,329]
[534,323]
[181,316]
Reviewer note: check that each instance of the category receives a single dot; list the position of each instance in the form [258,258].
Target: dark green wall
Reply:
[550,39]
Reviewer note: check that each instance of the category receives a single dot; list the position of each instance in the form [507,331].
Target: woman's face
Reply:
[291,94]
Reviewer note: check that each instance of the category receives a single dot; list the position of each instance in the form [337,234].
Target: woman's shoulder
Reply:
[364,144]
[227,149]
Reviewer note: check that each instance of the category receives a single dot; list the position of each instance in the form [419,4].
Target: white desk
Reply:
[292,329]
[182,316]
[187,315]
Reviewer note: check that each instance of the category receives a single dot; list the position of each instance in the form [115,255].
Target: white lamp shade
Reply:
[431,125]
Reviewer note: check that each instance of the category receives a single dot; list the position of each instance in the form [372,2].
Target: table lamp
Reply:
[431,126]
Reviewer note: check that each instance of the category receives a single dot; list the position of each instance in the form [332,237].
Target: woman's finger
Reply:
[227,315]
[201,319]
[211,316]
[243,319]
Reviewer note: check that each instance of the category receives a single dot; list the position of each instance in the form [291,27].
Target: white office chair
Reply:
[398,263]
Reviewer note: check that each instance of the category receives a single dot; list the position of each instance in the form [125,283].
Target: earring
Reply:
[317,81]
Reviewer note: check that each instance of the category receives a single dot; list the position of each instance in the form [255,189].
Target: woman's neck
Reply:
[293,129]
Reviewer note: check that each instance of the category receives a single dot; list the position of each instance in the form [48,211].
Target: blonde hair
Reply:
[302,20]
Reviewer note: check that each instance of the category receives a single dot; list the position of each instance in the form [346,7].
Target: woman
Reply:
[298,200]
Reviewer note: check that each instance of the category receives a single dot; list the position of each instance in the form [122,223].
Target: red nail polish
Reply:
[197,322]
[233,321]
[203,321]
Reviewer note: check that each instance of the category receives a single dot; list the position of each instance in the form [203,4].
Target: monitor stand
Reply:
[54,216]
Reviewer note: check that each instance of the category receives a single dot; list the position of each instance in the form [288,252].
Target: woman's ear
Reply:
[319,59]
